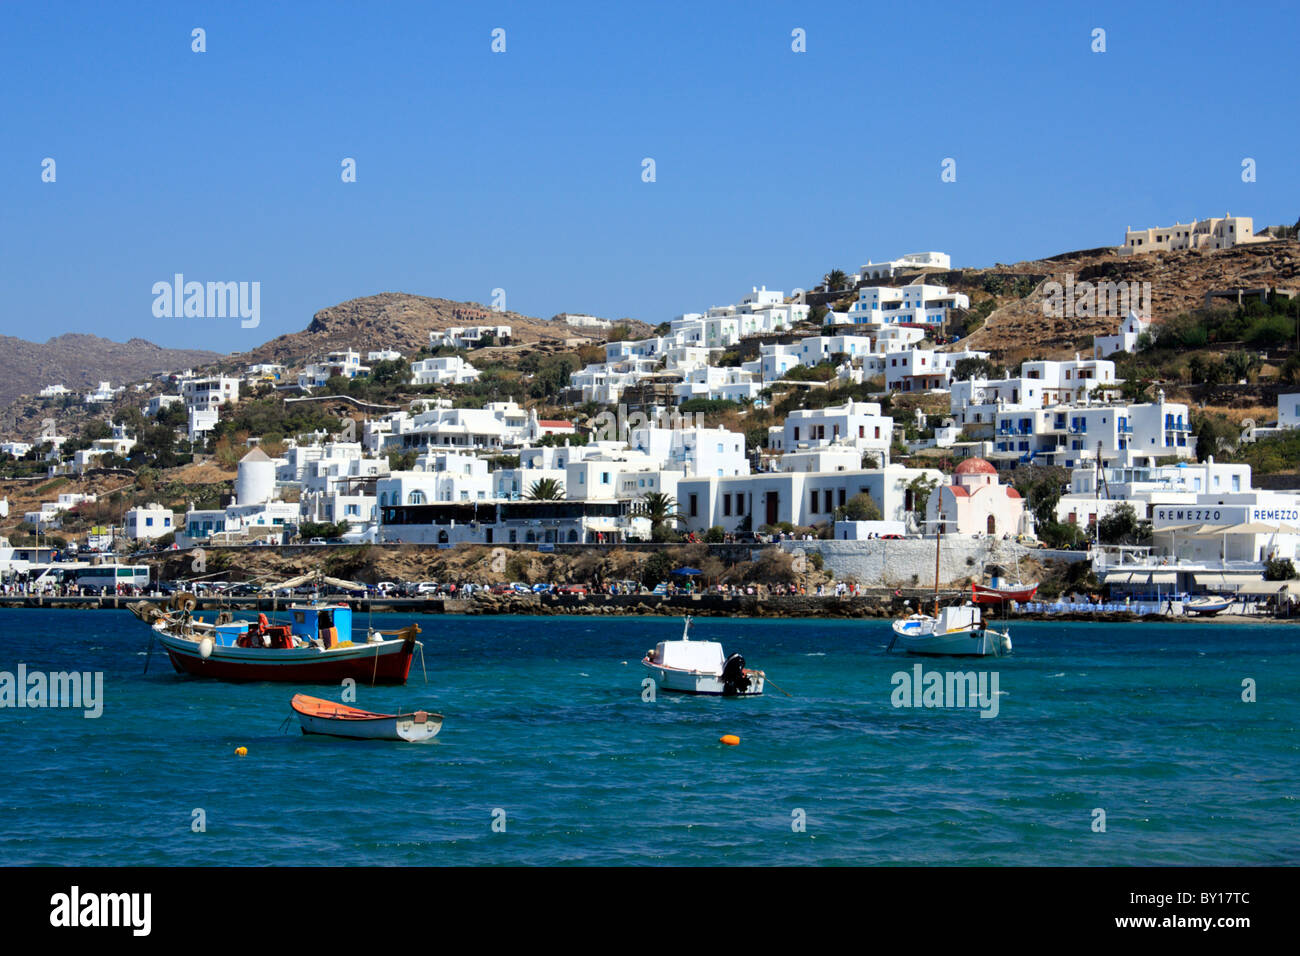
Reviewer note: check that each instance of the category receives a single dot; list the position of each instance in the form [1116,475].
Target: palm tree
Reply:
[835,280]
[546,489]
[659,508]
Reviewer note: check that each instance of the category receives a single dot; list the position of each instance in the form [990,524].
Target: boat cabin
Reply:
[703,656]
[228,635]
[331,624]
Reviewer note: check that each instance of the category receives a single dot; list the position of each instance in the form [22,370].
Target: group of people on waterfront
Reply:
[24,588]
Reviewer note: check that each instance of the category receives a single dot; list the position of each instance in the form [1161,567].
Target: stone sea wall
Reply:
[909,562]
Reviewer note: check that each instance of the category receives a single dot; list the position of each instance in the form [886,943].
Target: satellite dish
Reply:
[977,396]
[1248,429]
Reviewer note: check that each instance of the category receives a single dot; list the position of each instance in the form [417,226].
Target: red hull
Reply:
[982,594]
[384,669]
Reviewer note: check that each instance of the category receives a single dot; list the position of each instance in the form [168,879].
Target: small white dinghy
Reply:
[957,631]
[700,667]
[332,719]
[1207,605]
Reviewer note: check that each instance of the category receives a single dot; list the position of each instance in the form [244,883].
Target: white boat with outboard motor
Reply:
[700,667]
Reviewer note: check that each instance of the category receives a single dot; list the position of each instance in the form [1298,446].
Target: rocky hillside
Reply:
[80,362]
[1179,283]
[400,321]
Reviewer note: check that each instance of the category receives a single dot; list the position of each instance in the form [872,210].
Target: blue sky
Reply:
[522,170]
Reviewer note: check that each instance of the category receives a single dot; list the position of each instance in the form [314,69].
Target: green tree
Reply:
[861,507]
[656,569]
[330,531]
[1279,569]
[1240,364]
[391,372]
[921,488]
[399,460]
[969,368]
[1121,525]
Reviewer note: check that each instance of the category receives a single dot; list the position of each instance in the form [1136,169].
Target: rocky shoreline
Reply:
[865,607]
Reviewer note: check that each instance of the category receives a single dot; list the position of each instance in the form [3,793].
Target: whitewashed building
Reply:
[201,421]
[470,337]
[344,362]
[1072,434]
[918,304]
[205,394]
[976,502]
[443,370]
[910,262]
[104,392]
[1131,328]
[1288,410]
[857,424]
[149,522]
[693,451]
[255,513]
[799,497]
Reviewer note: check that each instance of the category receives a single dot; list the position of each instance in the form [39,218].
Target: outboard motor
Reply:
[734,679]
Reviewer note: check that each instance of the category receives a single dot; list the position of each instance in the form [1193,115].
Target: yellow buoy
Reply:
[243,751]
[731,740]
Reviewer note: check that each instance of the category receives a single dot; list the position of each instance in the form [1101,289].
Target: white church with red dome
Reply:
[977,503]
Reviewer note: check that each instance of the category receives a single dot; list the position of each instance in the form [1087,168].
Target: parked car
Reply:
[520,588]
[579,589]
[316,541]
[540,588]
[425,588]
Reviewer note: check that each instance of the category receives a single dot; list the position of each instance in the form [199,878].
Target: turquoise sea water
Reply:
[545,721]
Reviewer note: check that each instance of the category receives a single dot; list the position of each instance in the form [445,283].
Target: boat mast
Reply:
[938,535]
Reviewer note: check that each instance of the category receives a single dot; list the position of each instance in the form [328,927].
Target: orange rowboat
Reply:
[332,719]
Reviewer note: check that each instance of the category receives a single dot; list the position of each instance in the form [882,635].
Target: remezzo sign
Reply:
[1190,514]
[1275,514]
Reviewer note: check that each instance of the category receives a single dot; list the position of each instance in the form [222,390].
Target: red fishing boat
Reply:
[316,645]
[1000,592]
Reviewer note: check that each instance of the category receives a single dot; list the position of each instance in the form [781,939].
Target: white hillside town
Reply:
[879,424]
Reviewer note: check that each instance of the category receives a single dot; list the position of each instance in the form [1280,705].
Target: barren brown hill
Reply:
[1179,283]
[396,320]
[80,362]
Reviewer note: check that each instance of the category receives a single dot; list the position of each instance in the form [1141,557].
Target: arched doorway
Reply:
[992,525]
